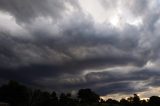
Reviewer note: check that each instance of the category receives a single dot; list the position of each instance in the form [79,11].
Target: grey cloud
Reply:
[27,10]
[129,83]
[110,82]
[137,7]
[25,53]
[37,59]
[121,87]
[62,50]
[108,49]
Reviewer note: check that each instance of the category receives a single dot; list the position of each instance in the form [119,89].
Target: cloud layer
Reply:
[65,45]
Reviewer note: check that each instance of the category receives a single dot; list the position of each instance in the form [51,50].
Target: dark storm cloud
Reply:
[22,54]
[123,87]
[56,54]
[27,10]
[31,61]
[114,82]
[68,49]
[128,83]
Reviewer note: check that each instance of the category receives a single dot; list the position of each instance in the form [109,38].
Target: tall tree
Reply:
[88,96]
[136,100]
[154,101]
[124,102]
[54,98]
[14,93]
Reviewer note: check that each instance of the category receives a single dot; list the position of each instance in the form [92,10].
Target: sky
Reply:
[110,46]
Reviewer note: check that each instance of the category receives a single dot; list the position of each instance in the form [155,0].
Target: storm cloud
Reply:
[64,45]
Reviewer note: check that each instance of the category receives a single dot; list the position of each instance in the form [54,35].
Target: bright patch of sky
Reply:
[116,16]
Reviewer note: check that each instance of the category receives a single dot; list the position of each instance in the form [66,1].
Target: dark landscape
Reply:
[15,94]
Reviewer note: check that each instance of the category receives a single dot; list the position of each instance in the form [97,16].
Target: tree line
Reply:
[16,94]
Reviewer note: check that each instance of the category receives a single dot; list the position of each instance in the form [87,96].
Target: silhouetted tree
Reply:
[88,96]
[54,99]
[102,100]
[41,98]
[112,102]
[154,101]
[18,95]
[124,102]
[144,103]
[136,100]
[14,94]
[66,100]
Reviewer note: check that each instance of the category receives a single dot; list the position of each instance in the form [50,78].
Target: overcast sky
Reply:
[111,46]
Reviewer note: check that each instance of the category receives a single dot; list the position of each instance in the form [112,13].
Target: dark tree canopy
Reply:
[16,94]
[124,102]
[136,100]
[154,101]
[88,96]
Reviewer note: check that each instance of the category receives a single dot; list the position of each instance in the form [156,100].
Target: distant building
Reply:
[4,104]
